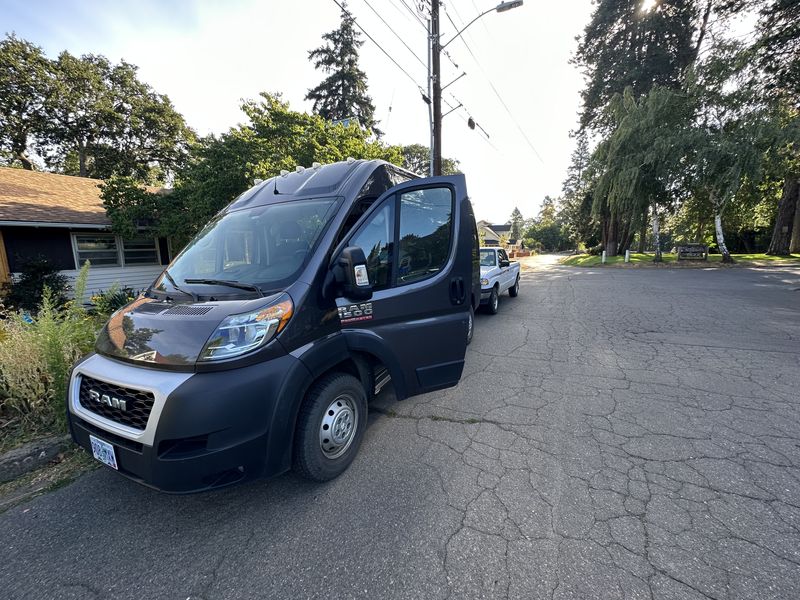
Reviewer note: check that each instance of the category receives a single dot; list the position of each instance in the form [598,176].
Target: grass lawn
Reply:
[587,260]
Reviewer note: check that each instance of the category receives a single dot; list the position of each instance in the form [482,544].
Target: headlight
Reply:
[238,334]
[484,281]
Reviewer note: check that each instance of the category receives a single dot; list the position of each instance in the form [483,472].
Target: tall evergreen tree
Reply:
[517,222]
[343,93]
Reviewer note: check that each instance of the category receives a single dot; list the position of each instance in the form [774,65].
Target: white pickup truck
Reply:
[498,274]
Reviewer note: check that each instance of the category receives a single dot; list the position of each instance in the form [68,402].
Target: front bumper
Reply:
[205,430]
[485,294]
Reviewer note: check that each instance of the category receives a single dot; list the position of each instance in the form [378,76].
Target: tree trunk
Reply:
[19,145]
[643,237]
[701,227]
[656,236]
[82,159]
[726,256]
[794,245]
[611,236]
[784,222]
[27,164]
[625,237]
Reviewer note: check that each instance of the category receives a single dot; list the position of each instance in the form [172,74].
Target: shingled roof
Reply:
[36,197]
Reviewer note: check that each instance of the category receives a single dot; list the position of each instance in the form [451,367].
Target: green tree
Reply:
[517,221]
[576,207]
[640,159]
[416,158]
[626,46]
[343,93]
[734,129]
[25,77]
[779,52]
[222,167]
[104,121]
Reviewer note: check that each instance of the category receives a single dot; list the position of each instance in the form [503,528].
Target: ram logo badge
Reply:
[108,400]
[353,313]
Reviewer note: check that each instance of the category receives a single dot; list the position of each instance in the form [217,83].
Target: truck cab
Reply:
[498,274]
[259,347]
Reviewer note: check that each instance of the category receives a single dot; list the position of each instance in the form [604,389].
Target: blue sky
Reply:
[207,56]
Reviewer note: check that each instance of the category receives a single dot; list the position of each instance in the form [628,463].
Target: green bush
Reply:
[36,354]
[36,274]
[112,299]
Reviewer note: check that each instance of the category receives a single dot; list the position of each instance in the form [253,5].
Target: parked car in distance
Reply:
[498,274]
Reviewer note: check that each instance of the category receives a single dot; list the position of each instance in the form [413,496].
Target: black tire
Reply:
[470,325]
[312,459]
[494,302]
[513,291]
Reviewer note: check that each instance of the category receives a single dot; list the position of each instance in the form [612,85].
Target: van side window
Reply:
[425,233]
[375,238]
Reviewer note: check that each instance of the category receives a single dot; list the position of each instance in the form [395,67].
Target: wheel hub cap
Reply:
[338,427]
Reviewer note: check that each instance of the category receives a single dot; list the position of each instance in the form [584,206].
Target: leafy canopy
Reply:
[274,138]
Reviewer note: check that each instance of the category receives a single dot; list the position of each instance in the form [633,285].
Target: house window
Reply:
[140,251]
[109,250]
[100,249]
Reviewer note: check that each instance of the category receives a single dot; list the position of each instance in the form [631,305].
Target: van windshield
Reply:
[265,246]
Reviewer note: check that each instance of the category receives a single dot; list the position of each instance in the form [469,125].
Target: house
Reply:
[493,234]
[62,218]
[489,237]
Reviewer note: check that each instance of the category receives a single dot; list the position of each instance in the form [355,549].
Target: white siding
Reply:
[102,278]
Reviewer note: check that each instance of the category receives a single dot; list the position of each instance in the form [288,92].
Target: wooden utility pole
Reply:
[436,75]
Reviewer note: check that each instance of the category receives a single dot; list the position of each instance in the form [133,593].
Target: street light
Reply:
[435,79]
[502,7]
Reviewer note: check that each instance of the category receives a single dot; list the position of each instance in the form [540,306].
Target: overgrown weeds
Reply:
[36,354]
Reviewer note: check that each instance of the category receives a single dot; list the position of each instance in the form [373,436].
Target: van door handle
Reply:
[457,290]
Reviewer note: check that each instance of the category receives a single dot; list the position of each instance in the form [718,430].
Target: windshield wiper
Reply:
[193,296]
[230,283]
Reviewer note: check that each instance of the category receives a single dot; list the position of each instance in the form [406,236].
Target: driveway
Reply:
[617,434]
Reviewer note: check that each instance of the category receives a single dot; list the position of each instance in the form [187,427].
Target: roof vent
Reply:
[257,181]
[350,160]
[284,173]
[299,169]
[316,165]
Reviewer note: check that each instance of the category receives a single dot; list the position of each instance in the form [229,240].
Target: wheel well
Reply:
[361,365]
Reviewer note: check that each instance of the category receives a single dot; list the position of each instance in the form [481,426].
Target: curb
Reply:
[31,456]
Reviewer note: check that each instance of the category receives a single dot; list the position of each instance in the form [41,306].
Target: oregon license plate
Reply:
[104,452]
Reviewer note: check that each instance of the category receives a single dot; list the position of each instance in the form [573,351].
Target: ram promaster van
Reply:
[258,348]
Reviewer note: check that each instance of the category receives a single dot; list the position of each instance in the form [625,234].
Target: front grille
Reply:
[138,403]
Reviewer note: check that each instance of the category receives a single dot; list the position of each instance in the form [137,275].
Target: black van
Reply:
[259,347]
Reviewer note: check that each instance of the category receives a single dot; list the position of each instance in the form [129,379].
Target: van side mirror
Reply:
[351,274]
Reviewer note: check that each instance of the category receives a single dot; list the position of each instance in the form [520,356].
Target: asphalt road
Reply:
[617,434]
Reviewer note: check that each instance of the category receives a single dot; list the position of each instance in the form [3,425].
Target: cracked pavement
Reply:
[618,433]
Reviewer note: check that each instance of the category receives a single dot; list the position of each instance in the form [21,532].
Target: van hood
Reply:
[169,334]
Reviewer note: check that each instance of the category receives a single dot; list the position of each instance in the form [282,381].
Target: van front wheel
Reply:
[330,427]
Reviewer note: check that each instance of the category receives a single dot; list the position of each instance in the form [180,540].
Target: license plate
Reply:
[104,452]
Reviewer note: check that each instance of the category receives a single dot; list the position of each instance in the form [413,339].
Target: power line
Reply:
[389,56]
[415,20]
[414,14]
[402,41]
[496,93]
